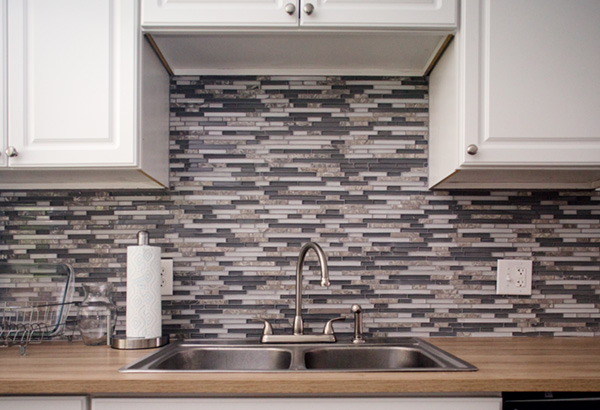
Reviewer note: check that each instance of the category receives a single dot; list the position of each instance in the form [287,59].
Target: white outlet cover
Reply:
[514,277]
[166,271]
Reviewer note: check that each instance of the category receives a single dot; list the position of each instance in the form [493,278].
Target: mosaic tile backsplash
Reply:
[262,165]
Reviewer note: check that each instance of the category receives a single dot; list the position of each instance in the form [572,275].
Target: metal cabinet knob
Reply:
[308,8]
[472,149]
[290,8]
[11,152]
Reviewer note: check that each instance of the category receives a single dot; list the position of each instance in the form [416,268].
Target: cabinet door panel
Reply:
[3,124]
[381,13]
[539,96]
[480,403]
[43,402]
[72,82]
[158,13]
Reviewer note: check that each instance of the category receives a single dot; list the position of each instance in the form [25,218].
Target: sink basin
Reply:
[378,355]
[226,358]
[369,358]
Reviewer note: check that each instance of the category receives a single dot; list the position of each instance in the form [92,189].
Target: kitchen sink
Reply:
[377,355]
[369,358]
[196,358]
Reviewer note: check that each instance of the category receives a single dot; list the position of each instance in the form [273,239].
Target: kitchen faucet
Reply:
[298,335]
[298,322]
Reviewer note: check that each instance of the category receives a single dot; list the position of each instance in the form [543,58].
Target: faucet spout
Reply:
[298,322]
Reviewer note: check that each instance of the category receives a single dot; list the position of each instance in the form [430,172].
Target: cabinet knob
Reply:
[290,8]
[472,149]
[308,8]
[11,152]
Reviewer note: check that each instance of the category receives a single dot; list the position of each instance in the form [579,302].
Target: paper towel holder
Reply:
[123,342]
[142,237]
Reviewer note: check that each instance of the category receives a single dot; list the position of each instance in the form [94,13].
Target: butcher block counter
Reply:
[505,365]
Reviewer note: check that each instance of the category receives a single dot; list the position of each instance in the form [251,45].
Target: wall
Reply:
[261,165]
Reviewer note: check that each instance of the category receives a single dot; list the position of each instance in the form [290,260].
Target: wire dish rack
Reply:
[35,300]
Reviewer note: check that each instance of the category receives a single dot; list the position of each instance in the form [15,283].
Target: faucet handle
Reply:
[268,329]
[328,329]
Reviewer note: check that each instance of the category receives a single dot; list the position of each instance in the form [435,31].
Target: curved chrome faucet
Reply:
[298,336]
[298,322]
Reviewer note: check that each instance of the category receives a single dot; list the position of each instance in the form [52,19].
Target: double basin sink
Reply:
[388,355]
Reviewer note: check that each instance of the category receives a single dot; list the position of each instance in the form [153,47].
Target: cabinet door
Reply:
[43,402]
[380,13]
[454,403]
[72,82]
[264,13]
[3,133]
[531,94]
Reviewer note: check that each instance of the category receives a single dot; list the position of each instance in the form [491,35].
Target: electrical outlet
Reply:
[166,273]
[514,277]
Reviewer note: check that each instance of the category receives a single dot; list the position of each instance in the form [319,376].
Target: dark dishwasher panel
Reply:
[551,401]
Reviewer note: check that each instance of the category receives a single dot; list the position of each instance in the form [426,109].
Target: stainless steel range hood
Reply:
[300,52]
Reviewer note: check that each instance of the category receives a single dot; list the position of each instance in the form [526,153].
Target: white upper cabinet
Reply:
[514,101]
[71,80]
[74,97]
[3,78]
[381,13]
[293,13]
[273,13]
[299,37]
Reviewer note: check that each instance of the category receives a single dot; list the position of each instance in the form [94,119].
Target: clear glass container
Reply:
[97,314]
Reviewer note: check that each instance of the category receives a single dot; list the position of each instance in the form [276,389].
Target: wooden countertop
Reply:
[505,364]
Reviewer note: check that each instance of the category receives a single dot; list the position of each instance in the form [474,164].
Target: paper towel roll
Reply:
[143,311]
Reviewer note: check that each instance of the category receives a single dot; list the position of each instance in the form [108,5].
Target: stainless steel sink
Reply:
[196,358]
[385,355]
[369,358]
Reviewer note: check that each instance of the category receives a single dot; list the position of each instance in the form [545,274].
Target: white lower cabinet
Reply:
[350,403]
[43,402]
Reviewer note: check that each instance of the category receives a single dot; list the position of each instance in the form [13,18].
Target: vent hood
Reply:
[298,52]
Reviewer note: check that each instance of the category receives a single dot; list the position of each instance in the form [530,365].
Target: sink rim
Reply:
[447,361]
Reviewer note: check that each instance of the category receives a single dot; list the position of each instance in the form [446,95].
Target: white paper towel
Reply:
[143,292]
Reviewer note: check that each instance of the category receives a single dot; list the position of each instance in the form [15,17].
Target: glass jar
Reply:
[97,314]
